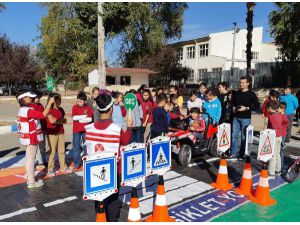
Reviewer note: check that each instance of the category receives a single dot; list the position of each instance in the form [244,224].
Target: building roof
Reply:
[121,71]
[190,42]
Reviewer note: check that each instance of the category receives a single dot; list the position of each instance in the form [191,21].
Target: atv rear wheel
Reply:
[213,148]
[184,155]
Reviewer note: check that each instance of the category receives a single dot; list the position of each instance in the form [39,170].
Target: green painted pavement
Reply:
[287,208]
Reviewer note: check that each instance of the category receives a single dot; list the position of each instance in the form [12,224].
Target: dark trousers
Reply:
[112,205]
[289,129]
[137,135]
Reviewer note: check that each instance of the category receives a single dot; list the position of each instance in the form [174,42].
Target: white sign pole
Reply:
[249,139]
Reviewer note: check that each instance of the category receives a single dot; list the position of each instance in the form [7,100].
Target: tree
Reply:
[17,65]
[167,66]
[285,29]
[69,32]
[249,20]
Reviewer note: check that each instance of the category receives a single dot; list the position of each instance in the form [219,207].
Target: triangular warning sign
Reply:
[267,147]
[160,158]
[224,139]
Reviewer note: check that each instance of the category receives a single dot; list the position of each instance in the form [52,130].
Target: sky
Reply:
[20,21]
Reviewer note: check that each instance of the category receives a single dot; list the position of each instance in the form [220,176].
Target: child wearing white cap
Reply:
[29,129]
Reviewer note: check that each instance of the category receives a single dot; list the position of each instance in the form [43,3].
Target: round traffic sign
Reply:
[130,101]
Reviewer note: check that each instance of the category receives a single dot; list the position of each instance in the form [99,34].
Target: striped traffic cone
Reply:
[101,217]
[222,182]
[245,187]
[262,193]
[134,214]
[160,211]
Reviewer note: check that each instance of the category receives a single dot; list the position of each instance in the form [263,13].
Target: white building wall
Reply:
[269,52]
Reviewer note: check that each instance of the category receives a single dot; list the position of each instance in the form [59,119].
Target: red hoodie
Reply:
[277,122]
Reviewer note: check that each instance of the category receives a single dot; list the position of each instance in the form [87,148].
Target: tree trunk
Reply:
[249,20]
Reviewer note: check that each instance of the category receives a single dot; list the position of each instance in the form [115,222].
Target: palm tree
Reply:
[249,20]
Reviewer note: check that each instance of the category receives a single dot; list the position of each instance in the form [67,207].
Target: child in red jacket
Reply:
[276,122]
[196,123]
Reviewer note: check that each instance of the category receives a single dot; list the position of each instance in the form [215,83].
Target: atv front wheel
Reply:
[184,155]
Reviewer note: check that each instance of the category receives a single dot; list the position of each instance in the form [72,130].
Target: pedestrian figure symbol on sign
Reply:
[103,171]
[132,163]
[267,147]
[224,139]
[161,158]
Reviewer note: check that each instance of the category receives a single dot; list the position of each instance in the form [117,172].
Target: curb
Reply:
[9,129]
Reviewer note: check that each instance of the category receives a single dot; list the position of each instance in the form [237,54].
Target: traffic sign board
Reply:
[224,137]
[50,83]
[249,139]
[266,145]
[134,168]
[130,101]
[100,176]
[160,155]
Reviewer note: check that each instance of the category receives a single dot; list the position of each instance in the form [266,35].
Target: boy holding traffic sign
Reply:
[276,122]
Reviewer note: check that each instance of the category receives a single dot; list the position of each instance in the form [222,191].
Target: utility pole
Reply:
[235,31]
[101,42]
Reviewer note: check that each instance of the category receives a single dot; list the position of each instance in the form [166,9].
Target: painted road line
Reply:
[212,204]
[60,201]
[177,195]
[206,161]
[16,213]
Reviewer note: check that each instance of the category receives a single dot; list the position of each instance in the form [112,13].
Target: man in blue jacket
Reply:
[213,106]
[291,106]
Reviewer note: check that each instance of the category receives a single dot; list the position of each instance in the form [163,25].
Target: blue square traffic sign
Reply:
[160,155]
[100,175]
[134,164]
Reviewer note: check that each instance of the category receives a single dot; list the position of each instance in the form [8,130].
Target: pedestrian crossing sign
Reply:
[224,137]
[100,176]
[134,164]
[266,145]
[160,155]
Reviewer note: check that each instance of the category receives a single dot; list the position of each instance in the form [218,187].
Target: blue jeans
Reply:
[78,138]
[137,135]
[239,125]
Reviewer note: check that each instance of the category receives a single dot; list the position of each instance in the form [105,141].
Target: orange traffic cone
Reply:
[134,214]
[160,211]
[245,187]
[101,217]
[262,193]
[222,182]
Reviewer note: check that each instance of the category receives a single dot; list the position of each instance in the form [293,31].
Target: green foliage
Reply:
[167,66]
[285,29]
[69,33]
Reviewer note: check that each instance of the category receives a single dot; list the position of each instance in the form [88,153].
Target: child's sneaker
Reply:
[51,173]
[36,184]
[66,170]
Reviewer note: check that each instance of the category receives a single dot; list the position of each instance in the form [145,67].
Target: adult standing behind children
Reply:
[291,106]
[91,102]
[56,135]
[244,101]
[160,121]
[29,129]
[82,115]
[147,106]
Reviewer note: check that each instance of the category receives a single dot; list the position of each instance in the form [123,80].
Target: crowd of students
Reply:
[152,117]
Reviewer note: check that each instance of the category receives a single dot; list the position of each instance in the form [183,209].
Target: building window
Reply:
[190,52]
[203,50]
[201,72]
[125,80]
[255,55]
[218,69]
[180,54]
[110,80]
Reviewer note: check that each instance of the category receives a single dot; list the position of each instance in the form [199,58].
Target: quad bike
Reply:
[185,145]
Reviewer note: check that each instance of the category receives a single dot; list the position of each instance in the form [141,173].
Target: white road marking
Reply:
[200,163]
[59,201]
[16,213]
